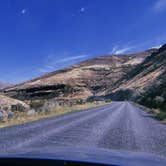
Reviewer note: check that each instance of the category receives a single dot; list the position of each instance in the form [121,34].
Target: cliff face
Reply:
[80,81]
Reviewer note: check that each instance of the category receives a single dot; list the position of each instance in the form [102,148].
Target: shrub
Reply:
[159,100]
[10,115]
[31,112]
[2,116]
[36,104]
[80,101]
[17,108]
[161,116]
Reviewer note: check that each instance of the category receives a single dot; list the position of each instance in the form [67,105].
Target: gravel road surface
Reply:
[117,126]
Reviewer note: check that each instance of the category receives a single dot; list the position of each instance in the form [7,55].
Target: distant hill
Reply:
[139,77]
[4,85]
[92,77]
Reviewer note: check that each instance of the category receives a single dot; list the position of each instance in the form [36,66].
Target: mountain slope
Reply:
[146,83]
[88,78]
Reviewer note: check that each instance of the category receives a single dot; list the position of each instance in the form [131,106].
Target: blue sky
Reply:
[39,36]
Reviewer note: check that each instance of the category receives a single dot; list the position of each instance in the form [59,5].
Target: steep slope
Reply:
[88,78]
[146,83]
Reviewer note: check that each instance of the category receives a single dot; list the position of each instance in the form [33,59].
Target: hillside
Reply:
[140,77]
[9,107]
[6,102]
[89,78]
[146,83]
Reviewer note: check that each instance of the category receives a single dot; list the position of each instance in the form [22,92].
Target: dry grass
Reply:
[7,102]
[156,113]
[24,118]
[164,121]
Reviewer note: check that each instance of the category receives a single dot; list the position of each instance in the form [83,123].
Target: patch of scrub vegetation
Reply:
[161,116]
[155,98]
[46,110]
[155,113]
[36,104]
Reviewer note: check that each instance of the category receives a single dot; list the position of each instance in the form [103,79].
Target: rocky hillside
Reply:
[146,83]
[89,78]
[9,107]
[140,77]
[6,102]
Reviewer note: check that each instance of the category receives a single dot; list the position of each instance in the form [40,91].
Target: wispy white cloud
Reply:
[139,46]
[159,5]
[120,50]
[72,58]
[114,49]
[157,46]
[52,63]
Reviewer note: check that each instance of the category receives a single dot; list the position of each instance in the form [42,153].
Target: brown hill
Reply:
[145,84]
[88,78]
